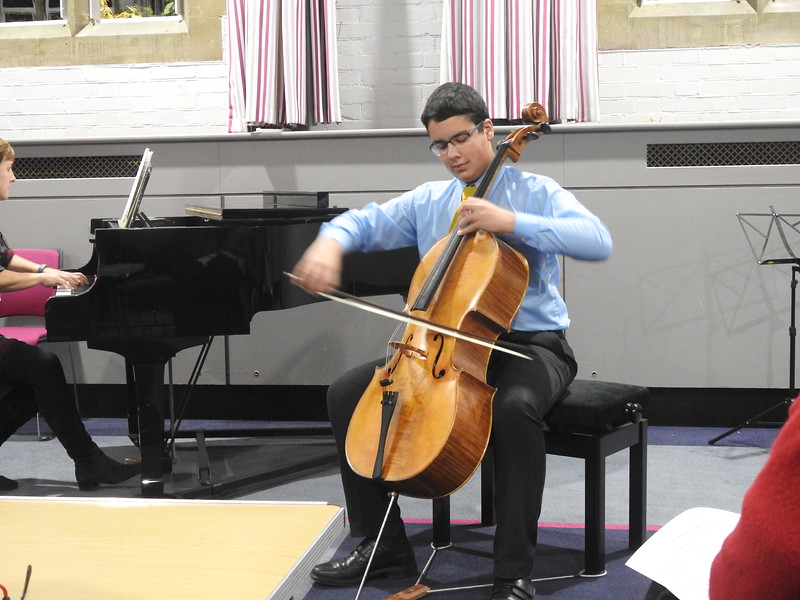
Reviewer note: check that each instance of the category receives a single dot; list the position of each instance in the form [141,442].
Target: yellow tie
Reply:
[468,192]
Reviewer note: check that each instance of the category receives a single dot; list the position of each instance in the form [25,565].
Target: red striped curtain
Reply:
[519,51]
[282,65]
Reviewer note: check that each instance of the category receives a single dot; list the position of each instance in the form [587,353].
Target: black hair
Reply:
[453,99]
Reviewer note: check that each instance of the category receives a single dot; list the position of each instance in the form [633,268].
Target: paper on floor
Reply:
[679,555]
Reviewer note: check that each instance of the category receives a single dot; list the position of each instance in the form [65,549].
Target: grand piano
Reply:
[171,283]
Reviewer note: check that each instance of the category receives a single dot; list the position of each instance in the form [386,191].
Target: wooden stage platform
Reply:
[129,549]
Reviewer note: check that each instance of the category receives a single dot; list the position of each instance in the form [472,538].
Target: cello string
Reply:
[394,337]
[338,296]
[360,303]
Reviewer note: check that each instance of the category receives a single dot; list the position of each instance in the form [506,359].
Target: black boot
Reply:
[99,468]
[56,405]
[6,484]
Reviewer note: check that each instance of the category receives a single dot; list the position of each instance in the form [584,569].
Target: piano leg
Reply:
[145,362]
[150,402]
[133,409]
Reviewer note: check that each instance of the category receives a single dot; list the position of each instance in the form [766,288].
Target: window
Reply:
[116,9]
[650,2]
[83,37]
[21,11]
[643,24]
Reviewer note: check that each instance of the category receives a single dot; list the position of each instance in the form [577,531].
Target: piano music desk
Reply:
[133,549]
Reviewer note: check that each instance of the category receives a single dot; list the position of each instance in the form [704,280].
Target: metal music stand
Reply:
[770,237]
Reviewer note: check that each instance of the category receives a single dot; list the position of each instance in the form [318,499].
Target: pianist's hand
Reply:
[320,268]
[62,279]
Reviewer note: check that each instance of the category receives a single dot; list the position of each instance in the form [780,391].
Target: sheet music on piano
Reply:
[131,210]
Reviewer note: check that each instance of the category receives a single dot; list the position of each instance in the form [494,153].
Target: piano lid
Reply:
[250,206]
[187,276]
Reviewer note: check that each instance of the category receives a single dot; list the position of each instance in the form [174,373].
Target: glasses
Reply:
[439,147]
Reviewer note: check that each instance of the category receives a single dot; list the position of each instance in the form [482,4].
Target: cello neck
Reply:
[428,289]
[511,147]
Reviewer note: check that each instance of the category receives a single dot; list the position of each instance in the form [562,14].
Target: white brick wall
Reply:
[700,84]
[388,64]
[113,101]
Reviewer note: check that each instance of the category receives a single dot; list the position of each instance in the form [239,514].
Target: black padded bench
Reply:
[592,421]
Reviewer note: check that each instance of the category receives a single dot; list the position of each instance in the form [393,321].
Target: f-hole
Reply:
[437,373]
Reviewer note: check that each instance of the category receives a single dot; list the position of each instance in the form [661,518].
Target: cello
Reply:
[423,423]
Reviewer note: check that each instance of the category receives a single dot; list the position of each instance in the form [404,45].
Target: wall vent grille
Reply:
[723,154]
[76,167]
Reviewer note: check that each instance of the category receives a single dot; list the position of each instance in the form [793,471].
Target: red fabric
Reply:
[761,557]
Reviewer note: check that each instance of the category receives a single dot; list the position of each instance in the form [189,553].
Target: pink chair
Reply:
[29,302]
[23,304]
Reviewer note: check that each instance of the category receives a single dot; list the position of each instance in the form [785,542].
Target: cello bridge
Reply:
[409,350]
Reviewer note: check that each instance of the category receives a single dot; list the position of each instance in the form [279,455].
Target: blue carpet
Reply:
[469,562]
[748,437]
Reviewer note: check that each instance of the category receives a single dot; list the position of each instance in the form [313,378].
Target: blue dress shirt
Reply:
[549,221]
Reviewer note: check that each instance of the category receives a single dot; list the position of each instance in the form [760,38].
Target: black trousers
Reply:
[32,380]
[526,390]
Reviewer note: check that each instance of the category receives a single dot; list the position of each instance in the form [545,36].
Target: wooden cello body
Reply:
[443,409]
[423,423]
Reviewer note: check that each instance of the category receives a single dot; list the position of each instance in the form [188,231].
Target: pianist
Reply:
[32,380]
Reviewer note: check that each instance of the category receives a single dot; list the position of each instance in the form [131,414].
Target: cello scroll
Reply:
[515,141]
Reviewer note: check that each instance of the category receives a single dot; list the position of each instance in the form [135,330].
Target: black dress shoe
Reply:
[388,562]
[102,469]
[513,589]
